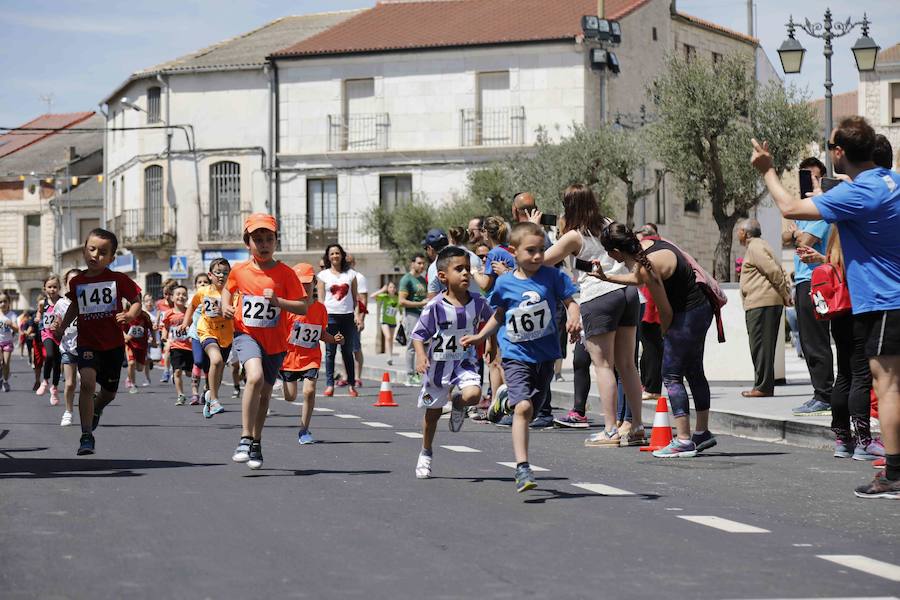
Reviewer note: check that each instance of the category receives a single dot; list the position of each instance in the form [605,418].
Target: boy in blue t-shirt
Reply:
[524,303]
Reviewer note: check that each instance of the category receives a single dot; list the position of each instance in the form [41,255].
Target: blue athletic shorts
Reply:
[527,381]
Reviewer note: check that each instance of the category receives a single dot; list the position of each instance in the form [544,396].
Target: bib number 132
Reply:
[257,312]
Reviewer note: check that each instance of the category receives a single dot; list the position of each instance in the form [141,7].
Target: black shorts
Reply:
[181,360]
[106,363]
[291,376]
[881,331]
[606,313]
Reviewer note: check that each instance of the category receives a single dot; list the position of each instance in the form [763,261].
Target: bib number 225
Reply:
[257,312]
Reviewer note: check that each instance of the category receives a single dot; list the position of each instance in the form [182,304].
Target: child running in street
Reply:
[9,328]
[180,355]
[49,341]
[262,288]
[68,347]
[97,296]
[389,306]
[138,337]
[525,302]
[33,335]
[304,355]
[214,331]
[450,368]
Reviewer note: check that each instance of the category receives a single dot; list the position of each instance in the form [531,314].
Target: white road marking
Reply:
[460,449]
[723,524]
[340,416]
[318,409]
[865,564]
[674,509]
[603,490]
[377,424]
[802,545]
[410,434]
[534,468]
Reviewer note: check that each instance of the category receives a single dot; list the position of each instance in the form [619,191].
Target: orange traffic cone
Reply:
[386,396]
[662,431]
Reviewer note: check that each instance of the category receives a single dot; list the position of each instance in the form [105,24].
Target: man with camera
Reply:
[867,213]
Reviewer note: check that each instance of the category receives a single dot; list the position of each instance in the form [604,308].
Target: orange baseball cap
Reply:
[305,272]
[260,221]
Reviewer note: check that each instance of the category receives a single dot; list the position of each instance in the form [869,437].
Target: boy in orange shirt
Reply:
[304,356]
[264,289]
[138,338]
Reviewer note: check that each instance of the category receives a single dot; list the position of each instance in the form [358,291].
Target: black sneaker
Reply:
[880,487]
[85,444]
[457,413]
[256,457]
[703,441]
[524,479]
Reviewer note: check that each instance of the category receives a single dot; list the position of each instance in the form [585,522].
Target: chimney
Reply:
[70,154]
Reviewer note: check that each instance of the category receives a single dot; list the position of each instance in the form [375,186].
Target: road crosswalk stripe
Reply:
[603,490]
[723,524]
[534,468]
[865,564]
[377,424]
[340,416]
[410,434]
[460,449]
[319,409]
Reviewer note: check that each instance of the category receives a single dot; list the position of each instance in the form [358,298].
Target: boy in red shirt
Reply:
[97,296]
[304,355]
[181,355]
[264,290]
[138,334]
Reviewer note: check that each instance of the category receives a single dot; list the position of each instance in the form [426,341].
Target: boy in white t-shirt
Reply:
[9,328]
[68,352]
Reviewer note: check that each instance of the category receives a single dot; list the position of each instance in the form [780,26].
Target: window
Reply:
[85,226]
[225,199]
[153,201]
[33,239]
[691,205]
[153,285]
[716,58]
[654,34]
[360,130]
[690,52]
[394,190]
[321,212]
[661,199]
[153,102]
[895,102]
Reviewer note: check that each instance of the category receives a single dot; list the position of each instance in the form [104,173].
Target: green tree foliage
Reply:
[402,229]
[707,114]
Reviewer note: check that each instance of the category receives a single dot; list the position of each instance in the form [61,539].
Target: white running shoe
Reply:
[423,467]
[54,396]
[66,419]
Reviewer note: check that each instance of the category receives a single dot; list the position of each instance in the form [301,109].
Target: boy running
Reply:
[214,330]
[525,303]
[304,355]
[262,288]
[448,318]
[68,347]
[138,333]
[97,296]
[180,355]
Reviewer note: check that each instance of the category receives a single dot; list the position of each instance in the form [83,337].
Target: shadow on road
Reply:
[309,472]
[560,495]
[49,468]
[8,452]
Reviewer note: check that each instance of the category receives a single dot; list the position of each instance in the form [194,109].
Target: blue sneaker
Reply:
[206,412]
[499,406]
[524,479]
[813,408]
[843,445]
[85,444]
[542,422]
[677,449]
[703,441]
[242,452]
[506,421]
[871,451]
[166,376]
[215,408]
[305,437]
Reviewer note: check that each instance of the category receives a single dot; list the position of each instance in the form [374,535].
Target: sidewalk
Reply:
[767,419]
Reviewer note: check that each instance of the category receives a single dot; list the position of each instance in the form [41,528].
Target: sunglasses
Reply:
[832,145]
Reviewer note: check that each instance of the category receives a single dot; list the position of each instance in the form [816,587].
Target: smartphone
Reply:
[828,182]
[549,220]
[806,183]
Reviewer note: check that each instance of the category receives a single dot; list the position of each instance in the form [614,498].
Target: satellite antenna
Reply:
[48,99]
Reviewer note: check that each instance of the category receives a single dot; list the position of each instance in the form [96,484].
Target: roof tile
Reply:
[16,140]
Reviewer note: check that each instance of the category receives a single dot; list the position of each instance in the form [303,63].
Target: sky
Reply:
[78,51]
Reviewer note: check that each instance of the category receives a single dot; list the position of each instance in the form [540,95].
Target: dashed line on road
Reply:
[534,468]
[671,508]
[603,490]
[865,564]
[802,545]
[340,416]
[410,434]
[377,424]
[460,449]
[319,409]
[722,524]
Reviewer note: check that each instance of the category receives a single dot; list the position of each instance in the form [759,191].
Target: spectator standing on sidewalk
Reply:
[764,291]
[650,333]
[867,214]
[815,338]
[413,296]
[362,290]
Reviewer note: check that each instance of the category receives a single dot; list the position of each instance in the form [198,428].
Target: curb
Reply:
[754,427]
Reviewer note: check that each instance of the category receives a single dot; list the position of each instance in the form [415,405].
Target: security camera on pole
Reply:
[600,34]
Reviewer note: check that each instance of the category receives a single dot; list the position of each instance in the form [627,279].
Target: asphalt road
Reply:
[161,512]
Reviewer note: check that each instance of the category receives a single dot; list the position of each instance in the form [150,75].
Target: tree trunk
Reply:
[630,200]
[722,267]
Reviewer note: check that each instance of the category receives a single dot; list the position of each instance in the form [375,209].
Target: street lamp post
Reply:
[791,52]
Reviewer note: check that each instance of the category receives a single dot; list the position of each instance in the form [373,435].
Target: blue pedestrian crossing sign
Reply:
[178,267]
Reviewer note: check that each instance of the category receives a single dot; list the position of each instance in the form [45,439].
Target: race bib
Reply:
[96,298]
[257,312]
[47,320]
[174,336]
[305,335]
[445,345]
[211,307]
[136,331]
[528,323]
[390,311]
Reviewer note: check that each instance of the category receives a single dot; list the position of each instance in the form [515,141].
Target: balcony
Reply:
[492,127]
[223,226]
[145,227]
[358,132]
[299,235]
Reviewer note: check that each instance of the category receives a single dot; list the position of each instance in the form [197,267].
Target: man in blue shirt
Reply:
[815,338]
[867,213]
